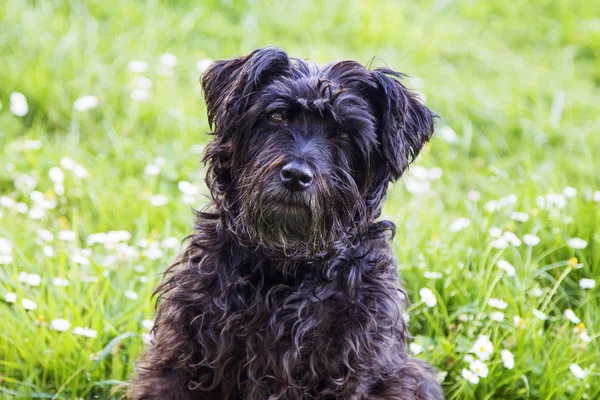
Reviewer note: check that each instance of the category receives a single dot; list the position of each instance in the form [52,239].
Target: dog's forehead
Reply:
[314,92]
[310,87]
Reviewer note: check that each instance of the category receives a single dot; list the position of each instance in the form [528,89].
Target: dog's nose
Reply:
[296,176]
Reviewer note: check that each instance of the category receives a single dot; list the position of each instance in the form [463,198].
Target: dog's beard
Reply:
[296,225]
[280,221]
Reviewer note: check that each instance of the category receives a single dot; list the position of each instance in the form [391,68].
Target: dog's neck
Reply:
[214,236]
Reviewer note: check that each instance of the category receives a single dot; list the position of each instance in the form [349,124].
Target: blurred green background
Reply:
[516,85]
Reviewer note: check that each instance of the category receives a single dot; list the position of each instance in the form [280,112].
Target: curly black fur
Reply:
[285,294]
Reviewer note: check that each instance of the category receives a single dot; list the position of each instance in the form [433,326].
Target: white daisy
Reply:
[506,267]
[80,259]
[416,186]
[44,235]
[479,368]
[66,236]
[159,200]
[10,297]
[491,206]
[497,303]
[428,297]
[60,282]
[188,199]
[584,336]
[21,208]
[28,304]
[473,195]
[497,316]
[61,325]
[67,163]
[470,376]
[80,172]
[577,243]
[140,95]
[519,216]
[586,283]
[170,243]
[500,243]
[87,332]
[56,175]
[569,192]
[153,252]
[147,338]
[142,82]
[137,66]
[168,60]
[539,315]
[152,170]
[6,256]
[570,315]
[37,213]
[447,134]
[148,324]
[188,188]
[30,279]
[203,64]
[415,348]
[25,183]
[131,295]
[518,322]
[578,372]
[85,103]
[531,240]
[459,224]
[18,104]
[483,347]
[536,292]
[495,232]
[48,251]
[432,274]
[508,359]
[512,238]
[7,202]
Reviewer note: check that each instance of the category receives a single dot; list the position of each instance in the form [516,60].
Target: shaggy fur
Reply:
[293,294]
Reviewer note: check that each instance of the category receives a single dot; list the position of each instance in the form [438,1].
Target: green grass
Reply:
[492,70]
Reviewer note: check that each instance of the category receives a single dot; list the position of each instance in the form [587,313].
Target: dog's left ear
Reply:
[228,84]
[404,123]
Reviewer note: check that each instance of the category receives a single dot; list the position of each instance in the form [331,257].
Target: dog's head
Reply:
[302,156]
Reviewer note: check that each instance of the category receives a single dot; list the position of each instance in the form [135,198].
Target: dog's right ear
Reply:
[405,124]
[228,84]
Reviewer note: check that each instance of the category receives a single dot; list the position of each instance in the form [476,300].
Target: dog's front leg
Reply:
[155,382]
[415,380]
[166,370]
[160,384]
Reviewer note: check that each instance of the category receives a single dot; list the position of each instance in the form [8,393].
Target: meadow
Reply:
[102,126]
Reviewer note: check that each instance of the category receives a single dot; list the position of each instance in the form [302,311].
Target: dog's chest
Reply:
[310,333]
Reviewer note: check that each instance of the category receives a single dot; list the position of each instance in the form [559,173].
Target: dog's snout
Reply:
[296,176]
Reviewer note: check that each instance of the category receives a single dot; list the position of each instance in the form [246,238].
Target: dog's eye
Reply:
[276,118]
[345,137]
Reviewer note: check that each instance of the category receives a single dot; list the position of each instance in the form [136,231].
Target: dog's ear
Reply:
[404,124]
[228,84]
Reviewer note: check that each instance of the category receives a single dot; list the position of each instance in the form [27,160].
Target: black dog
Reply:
[288,288]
